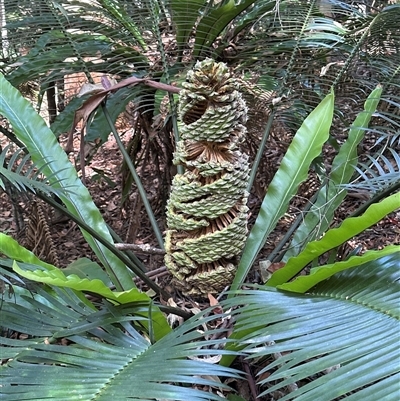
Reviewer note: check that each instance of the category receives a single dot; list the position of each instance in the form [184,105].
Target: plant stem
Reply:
[134,266]
[260,151]
[130,254]
[273,256]
[136,178]
[376,199]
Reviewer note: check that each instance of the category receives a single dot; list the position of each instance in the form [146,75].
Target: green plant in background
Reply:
[294,48]
[78,319]
[336,325]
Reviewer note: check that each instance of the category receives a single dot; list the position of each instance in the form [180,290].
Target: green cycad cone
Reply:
[207,212]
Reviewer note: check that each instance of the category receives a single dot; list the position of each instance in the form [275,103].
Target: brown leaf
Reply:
[276,266]
[214,302]
[91,104]
[267,268]
[111,206]
[90,89]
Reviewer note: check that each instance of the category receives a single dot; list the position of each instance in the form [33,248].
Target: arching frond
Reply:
[309,46]
[106,353]
[28,126]
[387,123]
[299,49]
[380,174]
[343,334]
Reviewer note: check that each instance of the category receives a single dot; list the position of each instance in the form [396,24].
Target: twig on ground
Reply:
[153,274]
[145,248]
[250,379]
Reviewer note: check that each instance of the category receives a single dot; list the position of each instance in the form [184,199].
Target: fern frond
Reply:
[106,348]
[301,48]
[340,337]
[387,125]
[306,48]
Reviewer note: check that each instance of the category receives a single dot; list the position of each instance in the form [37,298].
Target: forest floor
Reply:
[130,222]
[104,182]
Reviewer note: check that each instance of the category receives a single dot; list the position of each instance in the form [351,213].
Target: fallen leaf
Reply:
[214,302]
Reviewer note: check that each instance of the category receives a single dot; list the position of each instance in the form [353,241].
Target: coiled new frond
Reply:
[207,212]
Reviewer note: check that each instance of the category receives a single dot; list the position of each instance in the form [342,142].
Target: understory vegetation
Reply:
[257,141]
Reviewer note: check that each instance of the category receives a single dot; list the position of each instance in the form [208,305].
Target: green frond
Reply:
[309,46]
[334,237]
[302,47]
[387,124]
[304,148]
[107,354]
[380,174]
[343,334]
[74,37]
[22,173]
[331,194]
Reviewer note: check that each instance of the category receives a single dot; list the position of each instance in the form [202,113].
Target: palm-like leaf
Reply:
[93,280]
[304,54]
[379,175]
[302,50]
[74,32]
[121,363]
[295,48]
[350,322]
[22,174]
[333,238]
[389,126]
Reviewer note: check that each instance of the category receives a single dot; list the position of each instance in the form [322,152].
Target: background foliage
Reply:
[312,72]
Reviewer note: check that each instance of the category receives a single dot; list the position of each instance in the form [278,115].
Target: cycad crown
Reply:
[207,212]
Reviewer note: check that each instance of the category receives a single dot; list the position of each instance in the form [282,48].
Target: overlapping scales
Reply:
[216,124]
[207,212]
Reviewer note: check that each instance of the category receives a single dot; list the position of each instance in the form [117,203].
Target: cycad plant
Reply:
[90,333]
[148,341]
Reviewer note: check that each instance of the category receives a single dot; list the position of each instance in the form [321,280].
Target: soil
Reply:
[104,179]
